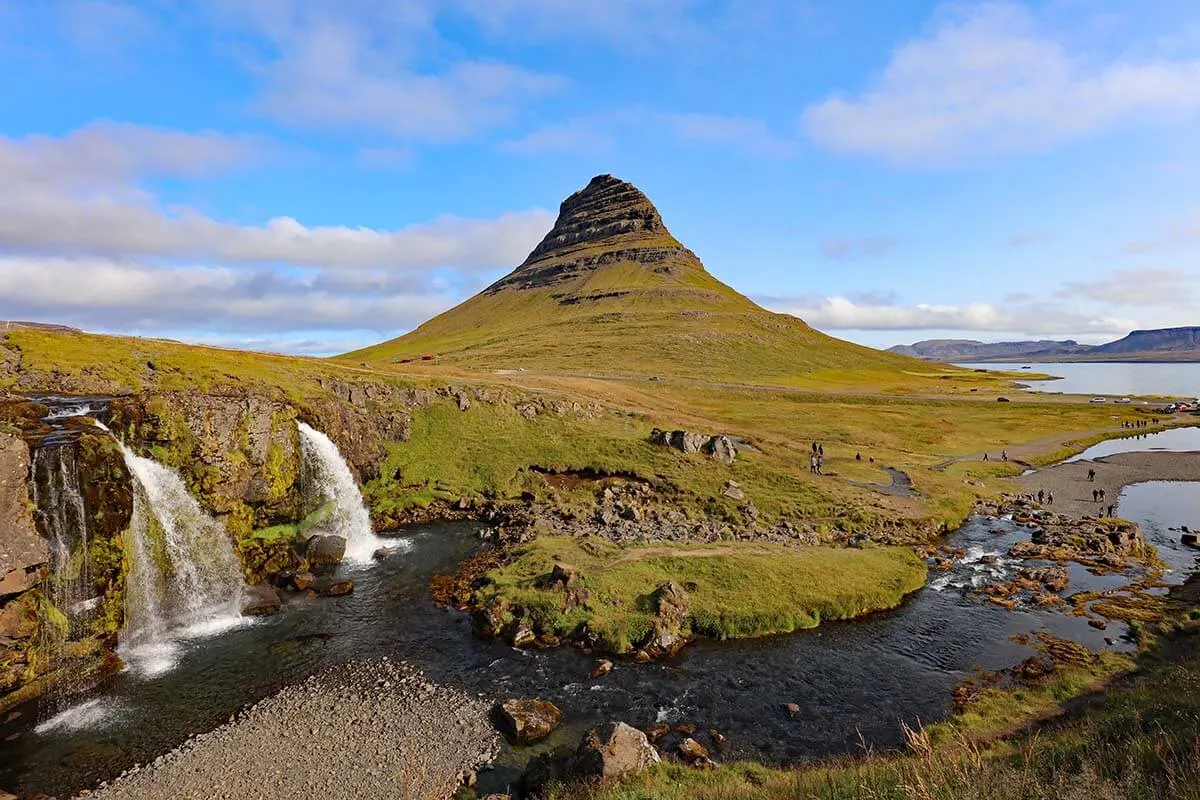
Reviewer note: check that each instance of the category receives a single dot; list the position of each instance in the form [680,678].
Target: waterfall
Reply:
[59,504]
[183,578]
[335,485]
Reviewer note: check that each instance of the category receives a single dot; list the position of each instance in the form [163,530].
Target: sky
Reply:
[311,176]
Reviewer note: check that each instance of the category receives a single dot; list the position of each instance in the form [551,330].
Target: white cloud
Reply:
[840,313]
[1139,287]
[107,154]
[987,81]
[103,225]
[359,65]
[849,248]
[120,295]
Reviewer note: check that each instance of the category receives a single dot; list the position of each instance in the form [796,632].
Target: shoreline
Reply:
[367,729]
[1072,490]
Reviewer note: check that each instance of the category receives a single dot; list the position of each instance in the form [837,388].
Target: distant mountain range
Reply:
[1164,344]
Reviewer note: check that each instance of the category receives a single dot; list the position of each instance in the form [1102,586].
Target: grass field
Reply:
[737,589]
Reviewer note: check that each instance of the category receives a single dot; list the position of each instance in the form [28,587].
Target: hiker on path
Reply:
[1101,495]
[985,458]
[1004,455]
[1041,496]
[1050,498]
[1095,495]
[1110,510]
[1091,475]
[812,463]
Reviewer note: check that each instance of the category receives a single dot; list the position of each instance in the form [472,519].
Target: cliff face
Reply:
[607,222]
[1164,340]
[971,350]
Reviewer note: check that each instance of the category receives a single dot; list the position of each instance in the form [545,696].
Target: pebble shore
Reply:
[368,729]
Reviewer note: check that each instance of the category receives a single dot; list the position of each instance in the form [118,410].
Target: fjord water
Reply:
[1174,440]
[852,680]
[1165,379]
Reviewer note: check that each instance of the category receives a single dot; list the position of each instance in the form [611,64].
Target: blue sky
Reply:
[314,176]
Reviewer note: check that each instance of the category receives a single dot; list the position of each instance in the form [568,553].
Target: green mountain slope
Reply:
[611,291]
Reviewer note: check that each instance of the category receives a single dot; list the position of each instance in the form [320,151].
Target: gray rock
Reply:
[325,550]
[260,600]
[721,448]
[615,750]
[22,551]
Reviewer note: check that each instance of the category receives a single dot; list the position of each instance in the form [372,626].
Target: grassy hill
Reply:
[610,291]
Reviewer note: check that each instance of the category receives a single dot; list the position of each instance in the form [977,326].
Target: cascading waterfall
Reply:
[335,485]
[59,504]
[183,577]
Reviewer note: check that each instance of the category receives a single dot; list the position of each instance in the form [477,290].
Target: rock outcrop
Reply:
[607,221]
[720,447]
[23,553]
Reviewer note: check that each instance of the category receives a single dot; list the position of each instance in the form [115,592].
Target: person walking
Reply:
[985,458]
[1095,496]
[1050,498]
[1041,496]
[820,462]
[1004,455]
[1091,475]
[812,463]
[1101,495]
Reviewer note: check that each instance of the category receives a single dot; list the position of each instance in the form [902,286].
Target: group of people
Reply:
[1045,497]
[1003,456]
[1140,423]
[817,463]
[1098,496]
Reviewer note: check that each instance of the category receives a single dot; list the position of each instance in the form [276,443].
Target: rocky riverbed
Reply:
[369,729]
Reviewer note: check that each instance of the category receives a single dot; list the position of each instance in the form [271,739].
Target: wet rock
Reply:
[380,554]
[260,600]
[791,708]
[603,667]
[615,750]
[523,635]
[686,728]
[303,580]
[22,550]
[1053,578]
[332,587]
[527,721]
[325,550]
[1098,624]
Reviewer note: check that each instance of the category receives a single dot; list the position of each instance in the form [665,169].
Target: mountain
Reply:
[1164,344]
[1163,340]
[969,349]
[610,291]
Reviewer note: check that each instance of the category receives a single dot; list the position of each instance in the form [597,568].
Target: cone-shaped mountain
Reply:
[609,290]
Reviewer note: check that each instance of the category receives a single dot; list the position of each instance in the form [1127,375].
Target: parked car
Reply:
[1097,400]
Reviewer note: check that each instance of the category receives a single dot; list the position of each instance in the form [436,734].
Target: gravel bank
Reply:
[1073,491]
[372,729]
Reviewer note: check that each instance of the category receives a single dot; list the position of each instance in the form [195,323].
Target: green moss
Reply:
[737,590]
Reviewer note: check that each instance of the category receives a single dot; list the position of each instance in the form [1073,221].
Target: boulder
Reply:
[733,491]
[615,750]
[260,600]
[325,550]
[303,580]
[721,448]
[527,721]
[1053,578]
[463,401]
[332,587]
[523,635]
[691,751]
[687,442]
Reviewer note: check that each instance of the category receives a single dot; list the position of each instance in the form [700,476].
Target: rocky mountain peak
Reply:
[607,221]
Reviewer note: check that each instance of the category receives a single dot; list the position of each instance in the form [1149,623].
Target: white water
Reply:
[184,580]
[80,410]
[88,714]
[335,485]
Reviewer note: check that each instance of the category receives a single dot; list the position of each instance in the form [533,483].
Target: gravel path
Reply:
[1073,491]
[372,729]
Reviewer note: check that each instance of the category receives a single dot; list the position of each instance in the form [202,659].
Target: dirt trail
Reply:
[1072,490]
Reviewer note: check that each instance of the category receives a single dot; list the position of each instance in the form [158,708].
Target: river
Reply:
[1114,380]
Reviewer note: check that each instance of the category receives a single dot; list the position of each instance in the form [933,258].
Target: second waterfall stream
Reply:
[335,485]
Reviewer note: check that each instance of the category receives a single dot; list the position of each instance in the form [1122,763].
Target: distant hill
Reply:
[1164,344]
[610,291]
[971,350]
